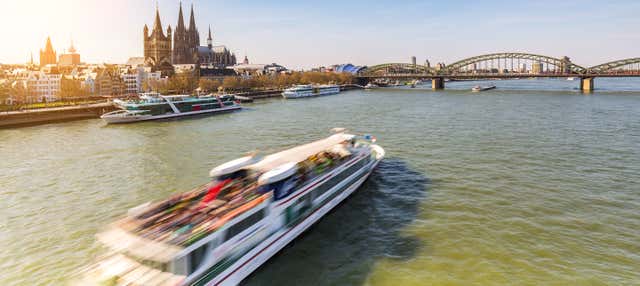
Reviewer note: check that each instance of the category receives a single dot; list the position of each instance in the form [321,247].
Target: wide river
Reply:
[505,187]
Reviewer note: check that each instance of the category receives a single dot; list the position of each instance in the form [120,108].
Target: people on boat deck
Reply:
[184,213]
[230,184]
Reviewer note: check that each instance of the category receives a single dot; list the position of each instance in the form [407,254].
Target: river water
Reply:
[510,186]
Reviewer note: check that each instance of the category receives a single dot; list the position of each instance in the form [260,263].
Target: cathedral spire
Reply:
[48,47]
[157,25]
[192,20]
[180,25]
[210,39]
[193,35]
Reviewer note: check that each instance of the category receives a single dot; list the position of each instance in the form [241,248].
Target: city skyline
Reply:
[290,33]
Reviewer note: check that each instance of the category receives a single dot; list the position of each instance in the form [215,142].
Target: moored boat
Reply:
[479,88]
[153,106]
[309,90]
[371,86]
[219,233]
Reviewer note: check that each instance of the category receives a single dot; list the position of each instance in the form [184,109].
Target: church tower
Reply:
[157,46]
[48,56]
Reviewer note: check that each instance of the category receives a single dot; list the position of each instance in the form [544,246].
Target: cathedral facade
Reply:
[160,51]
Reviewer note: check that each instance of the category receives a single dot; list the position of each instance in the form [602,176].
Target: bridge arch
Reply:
[611,66]
[404,68]
[564,63]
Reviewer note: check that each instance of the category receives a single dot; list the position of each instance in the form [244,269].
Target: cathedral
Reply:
[160,52]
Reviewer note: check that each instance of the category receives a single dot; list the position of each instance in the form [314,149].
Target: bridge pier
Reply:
[586,84]
[437,83]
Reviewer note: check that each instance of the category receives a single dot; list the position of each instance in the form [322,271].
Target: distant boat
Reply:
[308,90]
[571,78]
[370,86]
[478,88]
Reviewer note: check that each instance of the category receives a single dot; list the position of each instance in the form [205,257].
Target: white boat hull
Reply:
[137,118]
[291,95]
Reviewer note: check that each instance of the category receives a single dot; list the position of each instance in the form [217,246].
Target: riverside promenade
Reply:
[54,114]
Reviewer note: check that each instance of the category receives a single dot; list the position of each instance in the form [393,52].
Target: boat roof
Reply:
[279,173]
[233,166]
[299,153]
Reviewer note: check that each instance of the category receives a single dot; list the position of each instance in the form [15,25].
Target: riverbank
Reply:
[32,117]
[55,114]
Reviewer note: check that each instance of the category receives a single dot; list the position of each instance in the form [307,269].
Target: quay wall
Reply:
[49,115]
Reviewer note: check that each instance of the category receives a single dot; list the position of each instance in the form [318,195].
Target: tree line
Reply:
[187,83]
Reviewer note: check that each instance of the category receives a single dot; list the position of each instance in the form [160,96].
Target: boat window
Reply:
[240,226]
[320,190]
[197,257]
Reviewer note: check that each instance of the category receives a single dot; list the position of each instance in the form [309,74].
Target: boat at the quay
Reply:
[308,90]
[220,232]
[153,106]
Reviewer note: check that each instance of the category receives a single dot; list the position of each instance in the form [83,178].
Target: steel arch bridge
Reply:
[460,70]
[611,66]
[396,68]
[564,63]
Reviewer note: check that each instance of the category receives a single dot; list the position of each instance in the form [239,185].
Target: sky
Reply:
[305,34]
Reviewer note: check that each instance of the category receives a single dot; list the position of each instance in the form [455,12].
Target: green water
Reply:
[509,187]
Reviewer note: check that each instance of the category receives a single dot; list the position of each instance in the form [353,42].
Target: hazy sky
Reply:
[303,34]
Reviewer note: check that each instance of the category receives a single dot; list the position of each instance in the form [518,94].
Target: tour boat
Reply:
[219,233]
[308,90]
[152,106]
[478,88]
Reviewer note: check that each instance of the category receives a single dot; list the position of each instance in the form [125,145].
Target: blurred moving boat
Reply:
[308,90]
[219,233]
[478,88]
[153,106]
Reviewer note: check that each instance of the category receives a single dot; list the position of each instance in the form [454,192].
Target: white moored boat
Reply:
[371,86]
[308,90]
[479,88]
[219,233]
[153,106]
